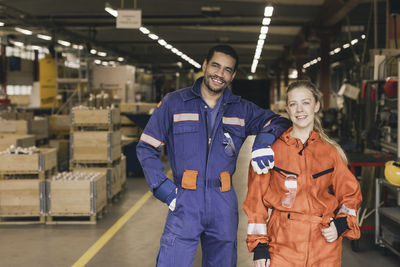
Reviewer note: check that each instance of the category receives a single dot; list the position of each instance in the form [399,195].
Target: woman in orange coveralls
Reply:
[313,195]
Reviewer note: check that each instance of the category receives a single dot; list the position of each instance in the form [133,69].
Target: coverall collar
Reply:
[194,92]
[288,139]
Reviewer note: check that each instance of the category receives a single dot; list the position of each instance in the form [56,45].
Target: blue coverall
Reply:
[203,161]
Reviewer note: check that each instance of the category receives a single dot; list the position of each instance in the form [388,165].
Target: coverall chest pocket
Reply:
[232,138]
[323,176]
[186,141]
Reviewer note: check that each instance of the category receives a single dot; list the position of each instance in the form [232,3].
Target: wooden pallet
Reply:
[23,175]
[75,218]
[22,219]
[93,163]
[95,127]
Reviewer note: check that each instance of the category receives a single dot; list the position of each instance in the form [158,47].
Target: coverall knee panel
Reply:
[175,251]
[217,252]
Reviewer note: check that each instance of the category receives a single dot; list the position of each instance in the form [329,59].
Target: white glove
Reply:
[262,263]
[262,159]
[330,233]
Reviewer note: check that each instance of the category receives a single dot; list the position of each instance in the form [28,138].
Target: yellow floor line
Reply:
[85,258]
[111,232]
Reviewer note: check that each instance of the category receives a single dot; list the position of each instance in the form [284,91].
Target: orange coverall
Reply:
[325,189]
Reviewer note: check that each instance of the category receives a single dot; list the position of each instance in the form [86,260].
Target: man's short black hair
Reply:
[226,49]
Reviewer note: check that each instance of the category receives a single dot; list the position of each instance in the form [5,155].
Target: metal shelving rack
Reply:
[391,213]
[82,78]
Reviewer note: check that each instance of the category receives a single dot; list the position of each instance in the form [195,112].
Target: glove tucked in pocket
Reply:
[229,145]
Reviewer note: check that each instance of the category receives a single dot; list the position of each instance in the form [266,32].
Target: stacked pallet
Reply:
[95,145]
[59,129]
[38,126]
[23,173]
[76,198]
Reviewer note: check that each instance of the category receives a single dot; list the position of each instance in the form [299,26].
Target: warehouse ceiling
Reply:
[191,27]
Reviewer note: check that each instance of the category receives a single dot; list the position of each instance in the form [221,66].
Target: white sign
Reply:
[129,19]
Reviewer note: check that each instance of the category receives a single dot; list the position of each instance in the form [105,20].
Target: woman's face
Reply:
[301,107]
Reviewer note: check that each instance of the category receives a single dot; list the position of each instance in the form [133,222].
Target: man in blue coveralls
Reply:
[203,127]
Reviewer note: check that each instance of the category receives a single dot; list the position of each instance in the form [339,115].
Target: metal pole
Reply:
[398,110]
[377,200]
[375,24]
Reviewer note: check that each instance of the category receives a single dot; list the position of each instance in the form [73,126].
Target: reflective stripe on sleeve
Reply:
[256,229]
[151,140]
[233,121]
[344,209]
[186,117]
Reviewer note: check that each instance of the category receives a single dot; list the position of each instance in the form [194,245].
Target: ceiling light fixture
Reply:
[93,51]
[23,31]
[2,24]
[102,54]
[266,21]
[263,35]
[120,59]
[164,43]
[153,36]
[144,30]
[111,10]
[64,43]
[44,37]
[268,11]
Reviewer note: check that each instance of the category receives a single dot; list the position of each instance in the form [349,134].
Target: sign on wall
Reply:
[129,19]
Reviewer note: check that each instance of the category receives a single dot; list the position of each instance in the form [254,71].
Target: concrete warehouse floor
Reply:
[136,242]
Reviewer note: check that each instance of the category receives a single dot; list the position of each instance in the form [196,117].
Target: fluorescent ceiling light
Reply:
[264,29]
[337,50]
[266,21]
[153,36]
[162,42]
[144,30]
[102,54]
[353,42]
[268,11]
[104,63]
[363,36]
[64,43]
[44,37]
[168,46]
[16,43]
[260,43]
[174,50]
[262,36]
[97,61]
[120,59]
[24,31]
[111,10]
[346,45]
[319,58]
[2,24]
[93,51]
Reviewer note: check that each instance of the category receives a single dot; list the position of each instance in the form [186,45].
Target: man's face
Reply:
[218,72]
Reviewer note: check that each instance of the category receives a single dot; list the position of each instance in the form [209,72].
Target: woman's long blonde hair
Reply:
[317,121]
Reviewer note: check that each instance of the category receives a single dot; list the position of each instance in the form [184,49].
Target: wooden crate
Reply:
[95,146]
[22,198]
[132,131]
[18,140]
[38,127]
[43,161]
[113,176]
[59,125]
[82,117]
[137,108]
[76,198]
